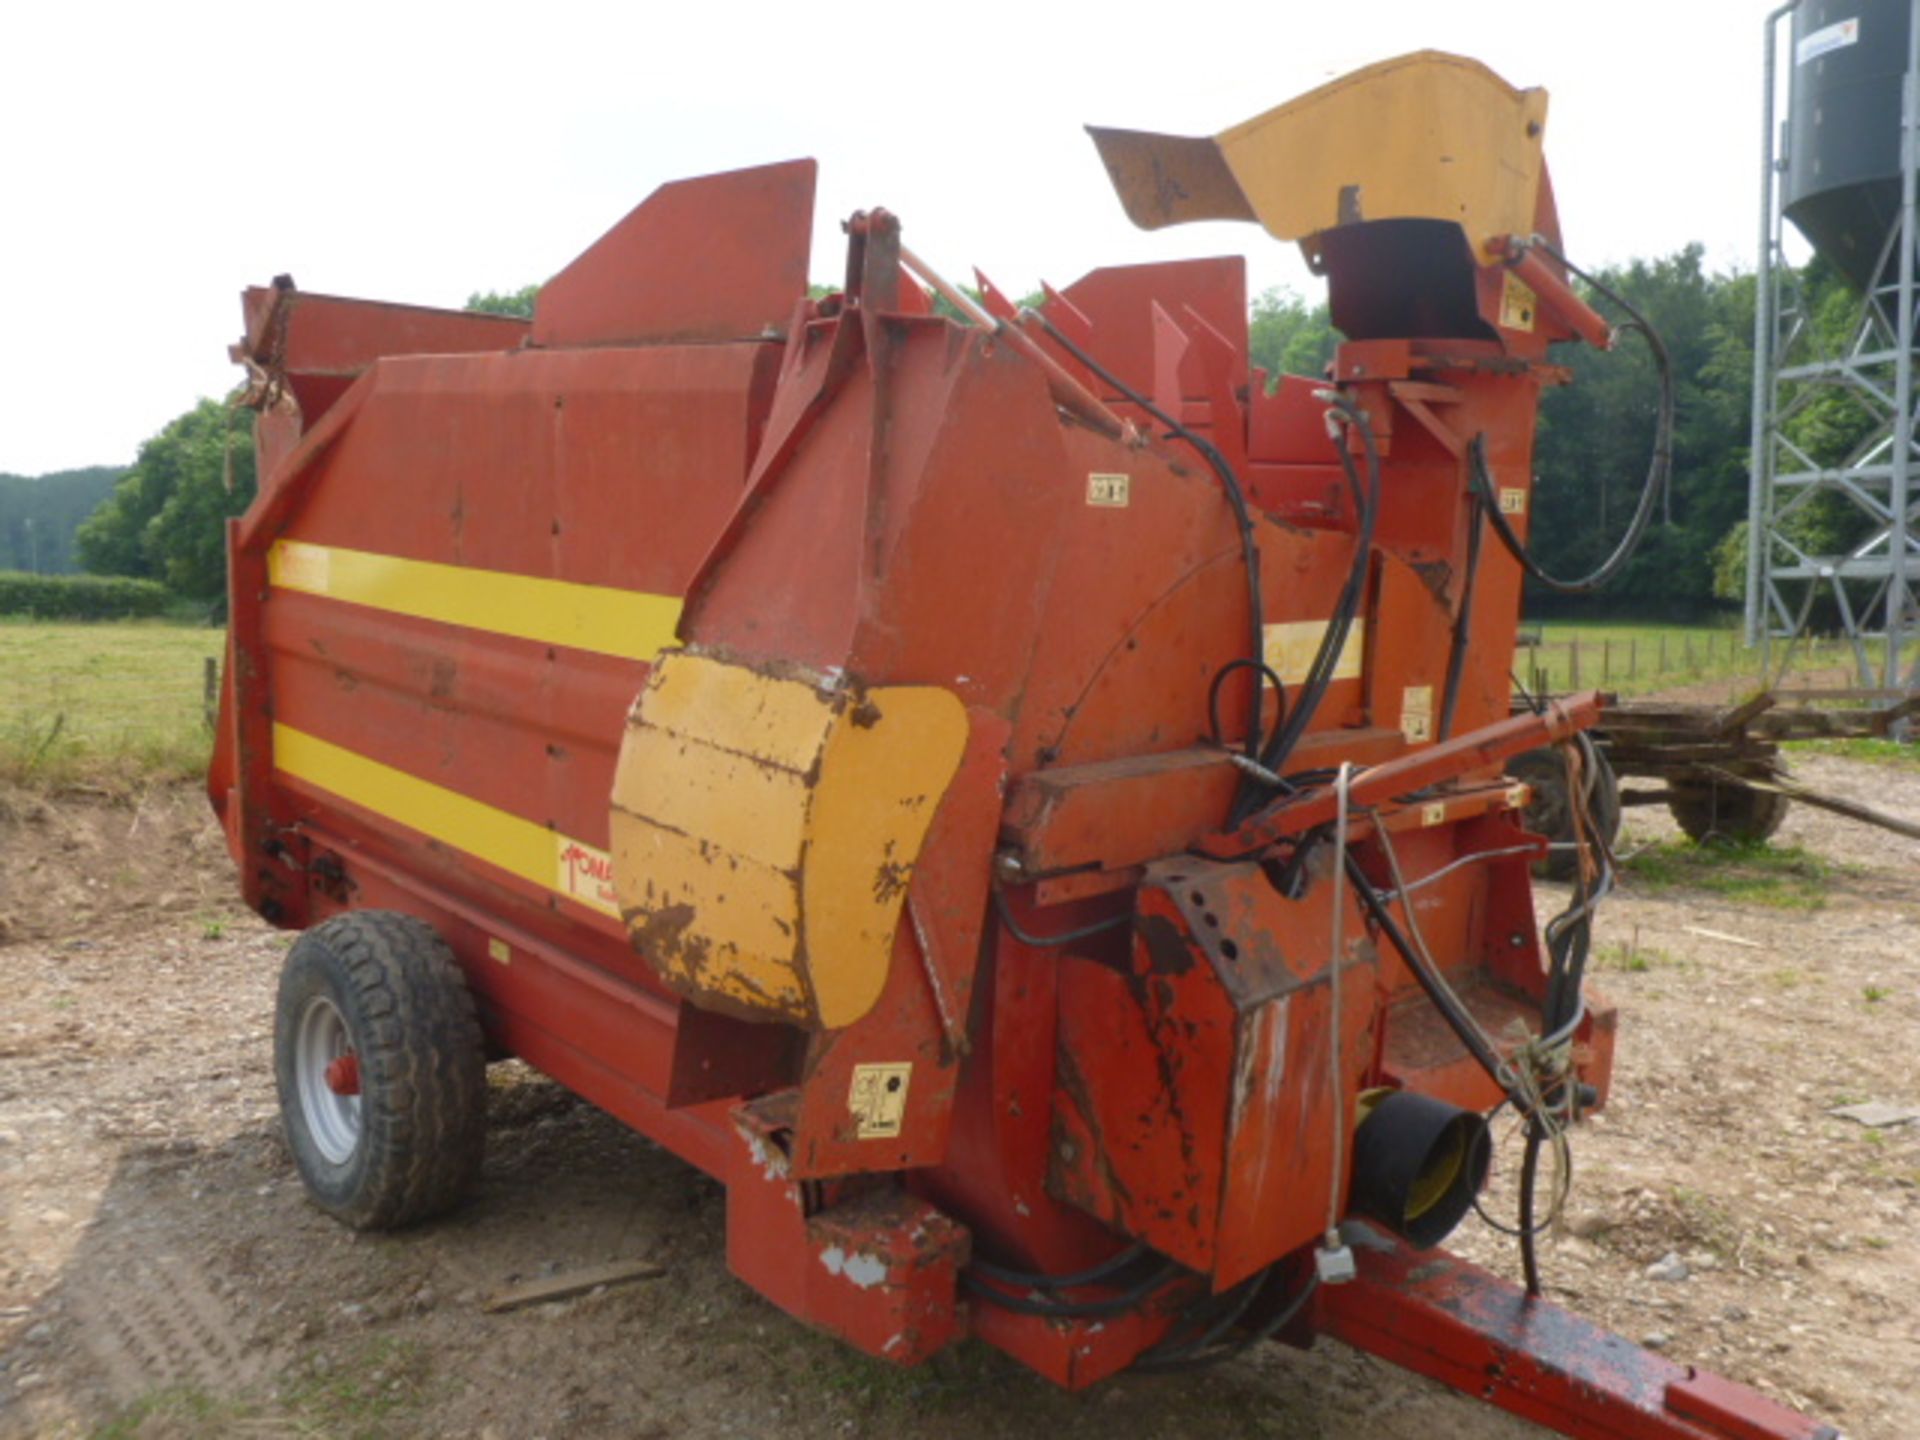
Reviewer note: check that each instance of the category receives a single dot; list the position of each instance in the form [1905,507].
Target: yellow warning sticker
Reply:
[1416,713]
[1108,491]
[1434,812]
[1513,500]
[1516,303]
[499,950]
[878,1099]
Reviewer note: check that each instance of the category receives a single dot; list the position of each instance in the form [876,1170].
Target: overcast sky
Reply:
[155,159]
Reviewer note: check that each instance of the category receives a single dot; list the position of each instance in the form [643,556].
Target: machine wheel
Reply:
[1548,813]
[1724,810]
[381,1070]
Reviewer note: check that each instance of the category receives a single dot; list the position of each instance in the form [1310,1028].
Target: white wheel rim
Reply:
[333,1120]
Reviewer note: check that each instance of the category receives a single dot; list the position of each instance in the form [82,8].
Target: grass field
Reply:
[108,703]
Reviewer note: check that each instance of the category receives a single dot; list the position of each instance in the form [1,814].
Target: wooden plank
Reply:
[1725,753]
[1737,718]
[569,1284]
[1852,809]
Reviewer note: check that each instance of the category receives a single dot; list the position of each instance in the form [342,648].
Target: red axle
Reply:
[343,1074]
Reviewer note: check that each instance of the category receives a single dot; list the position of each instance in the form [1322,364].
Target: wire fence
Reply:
[1656,658]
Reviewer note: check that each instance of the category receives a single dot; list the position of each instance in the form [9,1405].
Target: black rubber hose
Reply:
[1219,1313]
[1130,1299]
[1033,1279]
[1229,483]
[1066,937]
[1188,1357]
[1457,654]
[1569,937]
[1529,1178]
[1263,671]
[1659,468]
[1326,660]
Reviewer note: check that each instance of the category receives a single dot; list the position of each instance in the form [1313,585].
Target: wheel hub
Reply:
[343,1075]
[326,1073]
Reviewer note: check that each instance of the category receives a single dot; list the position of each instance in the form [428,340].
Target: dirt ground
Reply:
[161,1274]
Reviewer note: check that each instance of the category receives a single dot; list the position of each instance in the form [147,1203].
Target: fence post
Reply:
[1573,664]
[1606,659]
[1662,660]
[1686,650]
[1633,657]
[210,692]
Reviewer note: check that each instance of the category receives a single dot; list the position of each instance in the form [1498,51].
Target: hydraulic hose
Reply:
[1463,621]
[1229,485]
[1326,660]
[1659,468]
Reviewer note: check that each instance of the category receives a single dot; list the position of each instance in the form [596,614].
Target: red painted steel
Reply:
[1476,1332]
[852,485]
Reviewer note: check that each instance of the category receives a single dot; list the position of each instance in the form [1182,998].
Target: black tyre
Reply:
[1544,773]
[1725,810]
[381,1070]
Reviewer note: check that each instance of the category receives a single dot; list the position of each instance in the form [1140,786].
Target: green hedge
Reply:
[79,597]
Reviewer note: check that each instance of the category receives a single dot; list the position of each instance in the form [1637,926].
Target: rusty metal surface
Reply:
[1194,1107]
[1436,1314]
[1169,179]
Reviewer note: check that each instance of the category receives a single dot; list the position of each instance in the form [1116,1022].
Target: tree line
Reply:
[164,518]
[1596,434]
[38,516]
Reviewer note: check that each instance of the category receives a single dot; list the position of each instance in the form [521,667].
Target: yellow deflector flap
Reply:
[765,829]
[1426,136]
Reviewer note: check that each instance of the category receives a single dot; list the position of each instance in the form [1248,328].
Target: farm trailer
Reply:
[1016,798]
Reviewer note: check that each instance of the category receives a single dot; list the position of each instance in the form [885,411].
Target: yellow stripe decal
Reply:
[627,623]
[556,862]
[1292,644]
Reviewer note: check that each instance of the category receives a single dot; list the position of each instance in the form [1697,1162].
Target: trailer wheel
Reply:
[1544,773]
[1722,809]
[381,1070]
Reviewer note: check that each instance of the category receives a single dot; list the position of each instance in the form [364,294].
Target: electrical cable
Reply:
[1659,468]
[1401,892]
[1068,937]
[1433,877]
[1546,1069]
[1451,1009]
